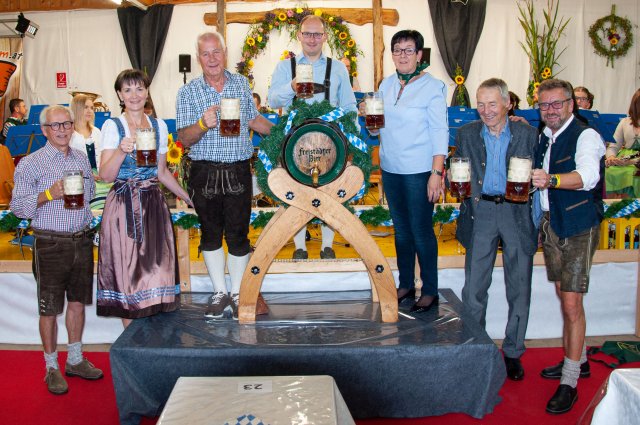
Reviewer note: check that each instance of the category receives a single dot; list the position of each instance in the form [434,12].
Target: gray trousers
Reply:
[494,222]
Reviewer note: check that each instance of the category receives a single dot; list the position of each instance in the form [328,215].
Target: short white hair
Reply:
[207,35]
[54,108]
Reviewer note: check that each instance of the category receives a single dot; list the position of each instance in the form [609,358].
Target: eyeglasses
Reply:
[316,35]
[410,51]
[55,126]
[556,105]
[581,99]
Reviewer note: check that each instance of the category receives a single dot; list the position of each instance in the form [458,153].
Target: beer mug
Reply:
[146,155]
[518,179]
[230,117]
[73,182]
[374,110]
[460,184]
[304,81]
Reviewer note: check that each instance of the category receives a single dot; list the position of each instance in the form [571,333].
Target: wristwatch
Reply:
[554,181]
[436,172]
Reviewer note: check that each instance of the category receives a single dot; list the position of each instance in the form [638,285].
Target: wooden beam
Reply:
[378,43]
[221,21]
[353,16]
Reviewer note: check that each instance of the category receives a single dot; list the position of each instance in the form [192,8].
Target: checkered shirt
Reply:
[37,172]
[196,97]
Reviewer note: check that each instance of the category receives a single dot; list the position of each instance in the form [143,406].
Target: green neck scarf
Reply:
[406,77]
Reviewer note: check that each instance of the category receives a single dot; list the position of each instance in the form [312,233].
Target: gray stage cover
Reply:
[424,365]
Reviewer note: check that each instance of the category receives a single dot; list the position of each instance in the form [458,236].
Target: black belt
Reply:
[498,199]
[47,234]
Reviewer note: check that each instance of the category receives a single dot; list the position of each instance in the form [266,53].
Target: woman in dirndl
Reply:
[137,263]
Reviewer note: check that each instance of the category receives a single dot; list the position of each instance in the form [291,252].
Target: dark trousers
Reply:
[221,195]
[412,214]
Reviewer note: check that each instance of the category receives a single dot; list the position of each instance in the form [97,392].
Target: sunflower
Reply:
[342,35]
[536,85]
[354,74]
[251,41]
[299,10]
[346,53]
[459,80]
[317,12]
[351,43]
[613,41]
[282,16]
[250,63]
[546,70]
[174,154]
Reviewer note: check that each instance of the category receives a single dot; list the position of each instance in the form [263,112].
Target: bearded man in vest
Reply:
[569,174]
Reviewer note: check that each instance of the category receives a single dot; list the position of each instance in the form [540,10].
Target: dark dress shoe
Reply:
[555,372]
[563,400]
[409,295]
[515,371]
[424,308]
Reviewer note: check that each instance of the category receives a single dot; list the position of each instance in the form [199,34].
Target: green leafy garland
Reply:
[272,144]
[613,28]
[339,37]
[617,206]
[9,223]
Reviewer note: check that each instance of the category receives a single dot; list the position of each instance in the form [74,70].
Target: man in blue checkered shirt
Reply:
[63,247]
[220,177]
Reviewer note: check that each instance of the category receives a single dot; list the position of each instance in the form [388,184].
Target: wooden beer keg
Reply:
[314,153]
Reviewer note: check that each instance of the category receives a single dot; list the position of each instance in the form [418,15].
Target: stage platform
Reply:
[424,365]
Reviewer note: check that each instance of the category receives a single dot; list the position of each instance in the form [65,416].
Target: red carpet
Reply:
[26,401]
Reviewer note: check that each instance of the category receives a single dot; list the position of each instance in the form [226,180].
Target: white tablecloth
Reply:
[621,404]
[270,400]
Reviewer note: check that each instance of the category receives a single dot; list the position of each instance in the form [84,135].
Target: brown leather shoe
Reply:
[55,382]
[85,370]
[261,306]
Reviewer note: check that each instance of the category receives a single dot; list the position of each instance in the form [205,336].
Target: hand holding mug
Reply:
[127,145]
[210,116]
[57,189]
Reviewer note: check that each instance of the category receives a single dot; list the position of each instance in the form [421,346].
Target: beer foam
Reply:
[304,73]
[373,106]
[146,140]
[229,109]
[460,172]
[519,170]
[73,185]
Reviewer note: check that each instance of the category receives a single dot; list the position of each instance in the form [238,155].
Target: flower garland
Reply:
[540,43]
[339,38]
[613,29]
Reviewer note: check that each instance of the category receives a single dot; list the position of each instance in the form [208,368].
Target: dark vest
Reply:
[317,88]
[571,211]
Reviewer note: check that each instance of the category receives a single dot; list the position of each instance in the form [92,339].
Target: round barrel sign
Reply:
[315,152]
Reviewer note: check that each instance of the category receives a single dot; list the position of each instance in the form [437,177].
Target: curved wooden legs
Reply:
[325,203]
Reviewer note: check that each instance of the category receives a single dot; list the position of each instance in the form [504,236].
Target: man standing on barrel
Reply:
[322,79]
[214,115]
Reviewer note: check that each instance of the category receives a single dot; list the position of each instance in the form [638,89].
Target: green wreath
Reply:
[339,37]
[272,144]
[618,33]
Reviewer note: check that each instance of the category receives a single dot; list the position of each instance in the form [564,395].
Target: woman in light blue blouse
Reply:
[414,143]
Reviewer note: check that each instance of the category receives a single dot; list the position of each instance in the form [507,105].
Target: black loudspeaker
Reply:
[184,63]
[426,56]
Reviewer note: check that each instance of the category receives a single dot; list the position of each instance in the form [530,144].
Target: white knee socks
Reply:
[215,266]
